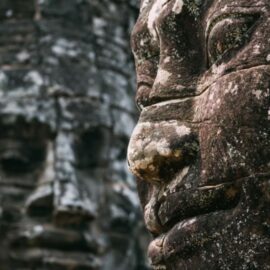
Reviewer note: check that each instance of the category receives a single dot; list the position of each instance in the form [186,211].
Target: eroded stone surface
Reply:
[202,69]
[67,200]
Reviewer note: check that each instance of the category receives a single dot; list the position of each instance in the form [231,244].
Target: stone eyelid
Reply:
[250,18]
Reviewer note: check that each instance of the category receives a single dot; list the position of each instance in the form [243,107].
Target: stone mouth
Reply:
[57,239]
[187,233]
[186,204]
[37,258]
[181,217]
[184,238]
[54,248]
[181,206]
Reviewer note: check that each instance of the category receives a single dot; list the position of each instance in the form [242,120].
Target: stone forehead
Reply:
[30,110]
[59,8]
[51,56]
[67,114]
[105,85]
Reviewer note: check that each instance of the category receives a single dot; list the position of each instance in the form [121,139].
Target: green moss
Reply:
[193,7]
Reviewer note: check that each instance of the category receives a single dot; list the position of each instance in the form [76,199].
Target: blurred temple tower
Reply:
[67,200]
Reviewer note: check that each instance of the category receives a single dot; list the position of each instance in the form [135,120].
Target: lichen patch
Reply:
[155,147]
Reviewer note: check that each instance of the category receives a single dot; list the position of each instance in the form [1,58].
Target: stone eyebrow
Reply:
[33,126]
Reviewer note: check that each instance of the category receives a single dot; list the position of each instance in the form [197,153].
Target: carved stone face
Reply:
[201,147]
[66,199]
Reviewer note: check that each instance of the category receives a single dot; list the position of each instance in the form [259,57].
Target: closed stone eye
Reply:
[19,157]
[14,163]
[18,161]
[228,34]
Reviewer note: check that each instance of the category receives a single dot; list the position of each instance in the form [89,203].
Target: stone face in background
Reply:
[66,113]
[201,148]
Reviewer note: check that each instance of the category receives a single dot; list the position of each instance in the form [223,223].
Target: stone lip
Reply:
[53,259]
[45,244]
[185,232]
[185,204]
[182,205]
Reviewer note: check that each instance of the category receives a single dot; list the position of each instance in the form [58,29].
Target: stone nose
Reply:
[62,201]
[72,204]
[59,193]
[159,150]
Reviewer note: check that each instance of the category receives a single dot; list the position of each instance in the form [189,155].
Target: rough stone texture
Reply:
[67,200]
[201,148]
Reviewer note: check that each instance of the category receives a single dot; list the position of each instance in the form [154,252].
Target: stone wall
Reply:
[67,200]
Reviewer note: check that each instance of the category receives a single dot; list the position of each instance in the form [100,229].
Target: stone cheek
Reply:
[233,114]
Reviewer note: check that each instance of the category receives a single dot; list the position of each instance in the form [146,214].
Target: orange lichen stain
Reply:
[231,192]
